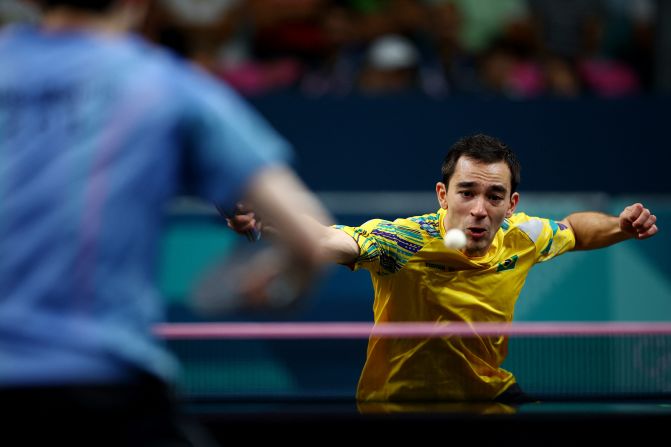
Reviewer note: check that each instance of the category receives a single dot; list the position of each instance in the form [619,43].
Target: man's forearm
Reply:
[596,230]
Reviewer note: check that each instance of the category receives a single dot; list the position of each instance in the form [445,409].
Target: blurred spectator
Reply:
[375,18]
[287,28]
[348,28]
[608,77]
[568,28]
[252,77]
[256,46]
[572,36]
[628,36]
[334,73]
[504,71]
[447,68]
[198,30]
[283,37]
[391,65]
[514,48]
[561,77]
[483,47]
[486,21]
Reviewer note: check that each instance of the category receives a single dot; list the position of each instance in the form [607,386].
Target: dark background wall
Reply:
[398,142]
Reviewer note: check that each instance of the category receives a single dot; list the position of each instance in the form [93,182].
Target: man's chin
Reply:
[476,249]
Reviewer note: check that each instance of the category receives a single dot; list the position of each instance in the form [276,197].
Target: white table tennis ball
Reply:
[455,239]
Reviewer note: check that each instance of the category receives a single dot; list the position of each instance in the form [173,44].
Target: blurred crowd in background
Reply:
[518,49]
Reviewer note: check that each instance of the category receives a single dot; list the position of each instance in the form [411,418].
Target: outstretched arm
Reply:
[596,230]
[336,245]
[280,197]
[332,245]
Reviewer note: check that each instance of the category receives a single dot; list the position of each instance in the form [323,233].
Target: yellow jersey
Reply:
[416,278]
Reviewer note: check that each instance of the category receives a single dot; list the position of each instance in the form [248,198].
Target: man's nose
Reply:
[478,209]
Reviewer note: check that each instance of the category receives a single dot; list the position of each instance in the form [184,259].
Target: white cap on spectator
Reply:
[392,52]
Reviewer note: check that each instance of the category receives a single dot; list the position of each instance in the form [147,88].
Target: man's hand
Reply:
[243,221]
[637,221]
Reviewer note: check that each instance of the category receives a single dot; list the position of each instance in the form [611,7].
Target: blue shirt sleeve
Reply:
[227,140]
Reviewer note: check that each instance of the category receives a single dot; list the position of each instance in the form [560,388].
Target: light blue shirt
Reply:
[97,134]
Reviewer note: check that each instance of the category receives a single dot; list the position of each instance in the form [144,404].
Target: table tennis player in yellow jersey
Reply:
[417,278]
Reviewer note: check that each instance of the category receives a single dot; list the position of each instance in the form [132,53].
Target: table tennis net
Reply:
[564,363]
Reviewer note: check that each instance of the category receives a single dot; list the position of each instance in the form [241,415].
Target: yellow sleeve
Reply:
[384,246]
[369,249]
[549,236]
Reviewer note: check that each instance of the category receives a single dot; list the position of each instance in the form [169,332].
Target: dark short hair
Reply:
[88,5]
[484,149]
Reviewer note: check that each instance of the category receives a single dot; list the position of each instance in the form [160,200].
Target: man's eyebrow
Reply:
[466,184]
[494,188]
[498,188]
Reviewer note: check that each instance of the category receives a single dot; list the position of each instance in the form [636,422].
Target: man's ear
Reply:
[514,200]
[441,194]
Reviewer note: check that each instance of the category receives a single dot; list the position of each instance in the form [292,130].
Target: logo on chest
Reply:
[508,264]
[443,267]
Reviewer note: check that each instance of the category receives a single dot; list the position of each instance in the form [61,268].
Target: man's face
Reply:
[477,200]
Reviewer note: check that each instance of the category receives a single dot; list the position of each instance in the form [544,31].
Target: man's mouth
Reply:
[476,232]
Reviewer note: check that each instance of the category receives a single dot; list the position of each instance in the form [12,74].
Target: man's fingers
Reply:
[242,222]
[643,218]
[632,212]
[648,233]
[646,228]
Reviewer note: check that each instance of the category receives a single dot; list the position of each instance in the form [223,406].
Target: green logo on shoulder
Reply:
[508,264]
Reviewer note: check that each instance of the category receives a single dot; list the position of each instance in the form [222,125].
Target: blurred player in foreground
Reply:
[99,129]
[416,277]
